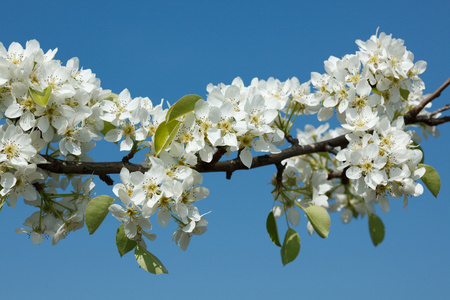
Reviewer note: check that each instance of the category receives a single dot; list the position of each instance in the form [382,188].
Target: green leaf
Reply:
[376,91]
[124,244]
[164,135]
[272,229]
[376,229]
[148,261]
[41,98]
[431,179]
[319,218]
[107,126]
[183,106]
[96,211]
[112,97]
[291,246]
[2,202]
[404,94]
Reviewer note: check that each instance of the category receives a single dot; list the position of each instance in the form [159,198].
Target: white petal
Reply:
[13,111]
[144,223]
[163,217]
[130,229]
[278,211]
[384,203]
[36,238]
[325,114]
[8,180]
[246,157]
[113,135]
[184,241]
[353,173]
[27,121]
[346,215]
[294,216]
[189,227]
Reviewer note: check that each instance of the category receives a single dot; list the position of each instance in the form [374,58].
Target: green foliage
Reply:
[96,211]
[431,179]
[319,218]
[107,126]
[124,244]
[164,135]
[291,246]
[404,94]
[2,202]
[272,229]
[376,229]
[183,106]
[167,130]
[149,262]
[41,98]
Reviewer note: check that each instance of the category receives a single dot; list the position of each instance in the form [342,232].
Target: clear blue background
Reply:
[177,48]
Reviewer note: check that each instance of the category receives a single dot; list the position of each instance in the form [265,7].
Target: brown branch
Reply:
[270,159]
[291,140]
[412,114]
[429,120]
[280,170]
[443,108]
[83,167]
[229,166]
[102,169]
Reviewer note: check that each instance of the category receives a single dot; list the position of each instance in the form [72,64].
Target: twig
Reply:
[412,114]
[107,179]
[443,108]
[331,149]
[104,168]
[429,120]
[291,140]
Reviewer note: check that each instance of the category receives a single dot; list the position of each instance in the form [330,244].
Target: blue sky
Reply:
[177,48]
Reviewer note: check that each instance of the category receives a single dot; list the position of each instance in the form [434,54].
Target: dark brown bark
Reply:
[103,169]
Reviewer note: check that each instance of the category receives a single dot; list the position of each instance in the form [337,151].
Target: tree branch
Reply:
[82,167]
[102,169]
[412,114]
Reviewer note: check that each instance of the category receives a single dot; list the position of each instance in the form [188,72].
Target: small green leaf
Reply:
[112,97]
[2,202]
[124,244]
[376,91]
[431,179]
[107,126]
[183,106]
[164,135]
[319,218]
[272,229]
[148,261]
[96,211]
[291,246]
[376,229]
[404,94]
[41,98]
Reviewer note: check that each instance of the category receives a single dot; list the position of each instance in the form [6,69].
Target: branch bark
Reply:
[103,169]
[410,117]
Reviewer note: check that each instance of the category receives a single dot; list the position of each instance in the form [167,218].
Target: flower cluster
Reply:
[169,191]
[52,110]
[377,80]
[242,118]
[47,107]
[370,91]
